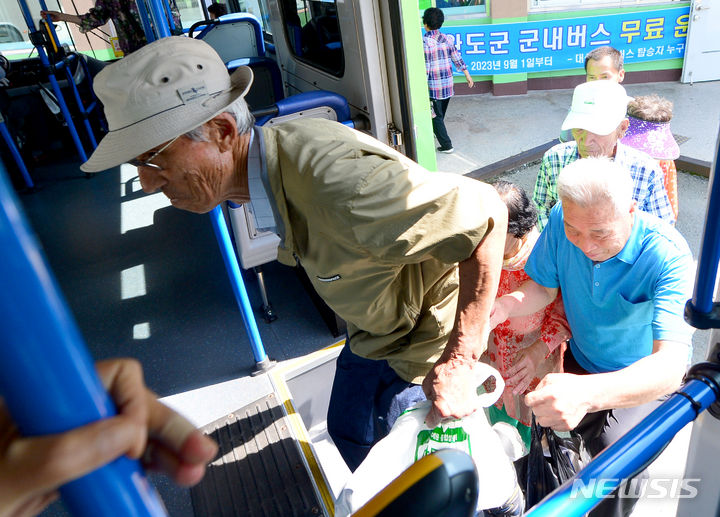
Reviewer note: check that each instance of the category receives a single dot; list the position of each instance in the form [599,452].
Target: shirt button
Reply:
[597,284]
[597,266]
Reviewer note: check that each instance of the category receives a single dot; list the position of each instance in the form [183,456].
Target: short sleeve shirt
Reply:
[616,308]
[647,176]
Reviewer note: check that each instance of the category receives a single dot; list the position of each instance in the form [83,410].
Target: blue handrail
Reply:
[145,20]
[238,285]
[627,455]
[47,377]
[709,258]
[157,12]
[51,75]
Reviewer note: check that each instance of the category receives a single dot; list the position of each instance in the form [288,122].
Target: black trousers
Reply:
[440,107]
[603,428]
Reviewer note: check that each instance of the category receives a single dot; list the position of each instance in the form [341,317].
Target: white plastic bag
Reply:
[410,439]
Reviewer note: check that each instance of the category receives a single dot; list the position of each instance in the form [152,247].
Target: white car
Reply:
[9,33]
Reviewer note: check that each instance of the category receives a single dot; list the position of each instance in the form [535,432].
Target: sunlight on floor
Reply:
[132,282]
[141,330]
[139,210]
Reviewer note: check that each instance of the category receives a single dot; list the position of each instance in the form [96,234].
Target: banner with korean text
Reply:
[545,45]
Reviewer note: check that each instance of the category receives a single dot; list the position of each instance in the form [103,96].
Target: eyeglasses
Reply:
[146,163]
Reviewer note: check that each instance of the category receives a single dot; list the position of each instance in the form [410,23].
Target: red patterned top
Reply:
[515,334]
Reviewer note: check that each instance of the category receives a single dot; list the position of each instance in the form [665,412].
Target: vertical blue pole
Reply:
[47,377]
[169,15]
[159,19]
[709,257]
[78,100]
[53,81]
[145,19]
[15,153]
[233,269]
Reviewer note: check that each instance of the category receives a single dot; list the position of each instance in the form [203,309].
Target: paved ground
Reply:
[486,129]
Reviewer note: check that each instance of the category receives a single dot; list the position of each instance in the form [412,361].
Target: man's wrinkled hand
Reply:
[559,401]
[451,387]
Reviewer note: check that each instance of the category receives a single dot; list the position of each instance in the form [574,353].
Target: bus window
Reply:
[461,8]
[313,33]
[190,12]
[260,10]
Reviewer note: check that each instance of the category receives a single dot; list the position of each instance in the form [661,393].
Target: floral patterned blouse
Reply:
[518,333]
[124,15]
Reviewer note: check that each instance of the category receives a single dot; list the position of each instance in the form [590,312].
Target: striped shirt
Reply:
[440,54]
[648,189]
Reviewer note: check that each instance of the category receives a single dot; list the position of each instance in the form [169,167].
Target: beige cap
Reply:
[598,107]
[159,92]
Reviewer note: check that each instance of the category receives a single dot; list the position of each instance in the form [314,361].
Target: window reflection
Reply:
[313,33]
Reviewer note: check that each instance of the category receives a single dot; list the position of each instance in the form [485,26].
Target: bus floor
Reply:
[146,280]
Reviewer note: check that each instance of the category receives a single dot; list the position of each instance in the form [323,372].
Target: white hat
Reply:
[159,92]
[598,107]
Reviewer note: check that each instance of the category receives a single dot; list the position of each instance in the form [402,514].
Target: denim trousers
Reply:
[367,397]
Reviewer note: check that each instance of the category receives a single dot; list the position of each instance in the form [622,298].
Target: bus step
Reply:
[259,470]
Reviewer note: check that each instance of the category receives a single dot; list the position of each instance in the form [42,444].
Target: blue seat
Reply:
[234,36]
[266,89]
[238,40]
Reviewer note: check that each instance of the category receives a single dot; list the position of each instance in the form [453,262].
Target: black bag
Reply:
[538,474]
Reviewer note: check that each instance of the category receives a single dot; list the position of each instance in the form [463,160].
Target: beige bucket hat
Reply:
[161,91]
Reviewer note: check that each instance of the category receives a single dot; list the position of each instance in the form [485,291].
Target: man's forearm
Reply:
[643,381]
[528,299]
[57,16]
[479,278]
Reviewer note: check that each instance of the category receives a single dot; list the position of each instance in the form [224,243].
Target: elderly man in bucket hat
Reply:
[598,120]
[410,259]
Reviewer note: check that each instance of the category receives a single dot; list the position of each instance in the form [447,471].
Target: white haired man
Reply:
[625,277]
[410,259]
[598,120]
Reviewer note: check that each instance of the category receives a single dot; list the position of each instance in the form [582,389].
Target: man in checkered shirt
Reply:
[440,55]
[598,120]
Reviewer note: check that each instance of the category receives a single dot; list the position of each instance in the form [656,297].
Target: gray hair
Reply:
[589,181]
[651,108]
[239,111]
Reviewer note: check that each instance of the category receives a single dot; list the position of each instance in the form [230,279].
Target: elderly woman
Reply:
[525,348]
[649,131]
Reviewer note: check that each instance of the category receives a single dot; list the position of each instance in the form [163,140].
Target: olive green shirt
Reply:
[378,235]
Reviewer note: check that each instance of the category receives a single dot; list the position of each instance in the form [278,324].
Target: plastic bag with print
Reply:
[410,439]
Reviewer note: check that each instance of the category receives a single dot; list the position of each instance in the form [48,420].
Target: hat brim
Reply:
[659,142]
[589,123]
[119,146]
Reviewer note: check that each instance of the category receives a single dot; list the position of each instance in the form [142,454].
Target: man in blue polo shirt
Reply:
[625,276]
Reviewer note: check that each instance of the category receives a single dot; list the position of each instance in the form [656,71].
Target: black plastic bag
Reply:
[567,454]
[539,474]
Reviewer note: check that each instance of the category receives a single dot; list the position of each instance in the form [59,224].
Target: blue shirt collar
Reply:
[633,247]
